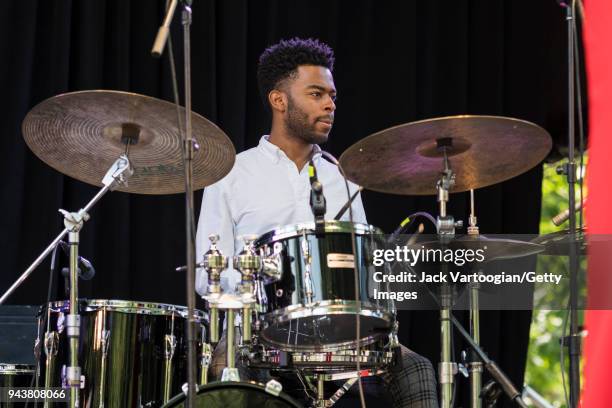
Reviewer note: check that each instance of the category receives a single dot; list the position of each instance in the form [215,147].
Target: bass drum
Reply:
[324,321]
[235,395]
[131,354]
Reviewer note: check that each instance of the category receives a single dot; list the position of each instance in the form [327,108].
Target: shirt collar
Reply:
[275,153]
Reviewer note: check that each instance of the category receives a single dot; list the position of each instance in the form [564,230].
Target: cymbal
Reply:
[495,249]
[557,243]
[482,150]
[81,134]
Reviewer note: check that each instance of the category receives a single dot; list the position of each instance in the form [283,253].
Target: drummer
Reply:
[269,185]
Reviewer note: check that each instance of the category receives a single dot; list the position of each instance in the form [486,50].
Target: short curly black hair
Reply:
[280,61]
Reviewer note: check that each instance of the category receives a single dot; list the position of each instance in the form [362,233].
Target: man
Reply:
[269,185]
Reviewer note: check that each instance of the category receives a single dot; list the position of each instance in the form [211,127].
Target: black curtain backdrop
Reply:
[397,61]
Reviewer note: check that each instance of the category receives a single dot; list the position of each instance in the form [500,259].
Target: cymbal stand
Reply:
[118,173]
[475,365]
[573,340]
[446,231]
[491,367]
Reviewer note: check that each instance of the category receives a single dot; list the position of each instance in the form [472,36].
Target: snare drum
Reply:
[131,354]
[311,305]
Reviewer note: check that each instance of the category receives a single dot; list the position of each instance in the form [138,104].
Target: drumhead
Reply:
[331,226]
[127,306]
[235,395]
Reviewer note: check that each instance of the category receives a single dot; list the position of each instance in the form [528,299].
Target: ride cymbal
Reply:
[482,150]
[81,134]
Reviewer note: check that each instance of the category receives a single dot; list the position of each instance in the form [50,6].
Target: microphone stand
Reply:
[189,148]
[572,342]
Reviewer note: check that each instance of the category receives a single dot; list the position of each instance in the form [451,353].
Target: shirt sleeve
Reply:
[215,218]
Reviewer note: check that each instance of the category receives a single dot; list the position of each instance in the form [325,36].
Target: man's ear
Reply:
[277,100]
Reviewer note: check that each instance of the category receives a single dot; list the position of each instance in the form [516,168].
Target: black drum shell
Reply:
[136,350]
[333,304]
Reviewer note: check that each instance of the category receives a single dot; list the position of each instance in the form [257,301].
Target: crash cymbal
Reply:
[482,150]
[495,249]
[557,243]
[81,134]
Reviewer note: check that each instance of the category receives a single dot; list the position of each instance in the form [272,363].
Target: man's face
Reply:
[310,105]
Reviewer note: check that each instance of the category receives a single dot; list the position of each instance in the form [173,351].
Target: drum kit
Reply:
[302,288]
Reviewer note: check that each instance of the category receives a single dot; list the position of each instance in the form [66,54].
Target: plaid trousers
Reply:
[409,382]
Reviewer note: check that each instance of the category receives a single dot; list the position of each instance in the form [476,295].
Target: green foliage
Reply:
[544,370]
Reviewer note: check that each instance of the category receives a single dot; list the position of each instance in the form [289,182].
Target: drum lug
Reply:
[274,387]
[170,343]
[393,340]
[205,362]
[308,286]
[51,341]
[230,374]
[105,335]
[273,264]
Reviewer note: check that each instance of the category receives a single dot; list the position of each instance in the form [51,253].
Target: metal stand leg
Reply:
[205,363]
[447,368]
[475,364]
[230,373]
[74,320]
[320,392]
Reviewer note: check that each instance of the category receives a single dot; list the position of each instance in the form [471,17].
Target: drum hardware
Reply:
[249,263]
[379,162]
[491,367]
[308,286]
[104,344]
[51,348]
[351,378]
[214,262]
[170,348]
[446,232]
[206,359]
[118,174]
[272,265]
[475,365]
[445,224]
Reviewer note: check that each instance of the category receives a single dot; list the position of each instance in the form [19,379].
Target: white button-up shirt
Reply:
[264,191]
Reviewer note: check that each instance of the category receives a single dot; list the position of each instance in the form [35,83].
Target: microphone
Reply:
[408,222]
[348,204]
[162,34]
[317,200]
[564,215]
[86,269]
